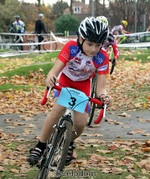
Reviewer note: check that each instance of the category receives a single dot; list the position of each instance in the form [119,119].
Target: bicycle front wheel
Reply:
[54,159]
[65,146]
[93,95]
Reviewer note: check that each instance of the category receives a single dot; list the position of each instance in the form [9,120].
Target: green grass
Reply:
[26,70]
[118,154]
[9,86]
[137,54]
[45,56]
[87,171]
[38,62]
[32,174]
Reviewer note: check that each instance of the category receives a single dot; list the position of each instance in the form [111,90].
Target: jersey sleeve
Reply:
[112,42]
[115,50]
[64,54]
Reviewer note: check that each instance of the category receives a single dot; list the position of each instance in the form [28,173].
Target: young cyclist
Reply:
[76,65]
[120,29]
[110,40]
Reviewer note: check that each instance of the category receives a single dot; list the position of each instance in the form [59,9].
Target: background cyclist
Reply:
[18,26]
[76,65]
[120,30]
[110,40]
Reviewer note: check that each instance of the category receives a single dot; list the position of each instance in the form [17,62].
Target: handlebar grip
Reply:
[44,100]
[100,117]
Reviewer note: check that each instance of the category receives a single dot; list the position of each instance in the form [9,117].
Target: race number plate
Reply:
[73,99]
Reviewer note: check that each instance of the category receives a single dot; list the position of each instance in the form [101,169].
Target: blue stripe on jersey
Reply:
[99,58]
[74,50]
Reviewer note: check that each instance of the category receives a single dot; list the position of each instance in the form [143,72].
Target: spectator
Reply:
[39,28]
[18,26]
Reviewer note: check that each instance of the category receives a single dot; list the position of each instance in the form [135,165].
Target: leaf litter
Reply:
[128,78]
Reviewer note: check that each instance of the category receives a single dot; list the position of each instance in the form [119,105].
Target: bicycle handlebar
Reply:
[93,100]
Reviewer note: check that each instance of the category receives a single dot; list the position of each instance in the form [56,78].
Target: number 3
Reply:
[73,101]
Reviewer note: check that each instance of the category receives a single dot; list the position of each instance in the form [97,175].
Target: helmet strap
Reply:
[81,44]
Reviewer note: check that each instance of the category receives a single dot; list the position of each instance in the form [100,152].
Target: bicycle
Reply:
[127,39]
[19,39]
[52,45]
[48,43]
[54,158]
[93,95]
[13,41]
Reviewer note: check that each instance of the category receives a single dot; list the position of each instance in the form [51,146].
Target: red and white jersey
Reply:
[111,42]
[117,29]
[78,66]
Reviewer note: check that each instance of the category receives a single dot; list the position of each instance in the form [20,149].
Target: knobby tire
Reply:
[93,94]
[64,153]
[30,48]
[49,155]
[48,159]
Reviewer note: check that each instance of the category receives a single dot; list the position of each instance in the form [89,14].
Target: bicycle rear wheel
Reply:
[30,45]
[54,158]
[51,46]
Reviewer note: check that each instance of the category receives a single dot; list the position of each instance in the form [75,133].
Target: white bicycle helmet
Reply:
[102,19]
[93,30]
[41,15]
[17,17]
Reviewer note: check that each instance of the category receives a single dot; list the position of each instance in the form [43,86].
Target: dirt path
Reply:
[117,125]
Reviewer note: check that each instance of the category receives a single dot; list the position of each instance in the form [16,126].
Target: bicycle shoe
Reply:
[35,155]
[70,156]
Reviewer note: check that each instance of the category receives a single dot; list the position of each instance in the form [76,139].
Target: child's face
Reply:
[90,48]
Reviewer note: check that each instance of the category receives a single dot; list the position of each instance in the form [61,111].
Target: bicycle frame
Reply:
[18,39]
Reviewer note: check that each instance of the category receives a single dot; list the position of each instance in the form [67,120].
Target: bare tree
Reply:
[71,10]
[39,2]
[125,9]
[2,2]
